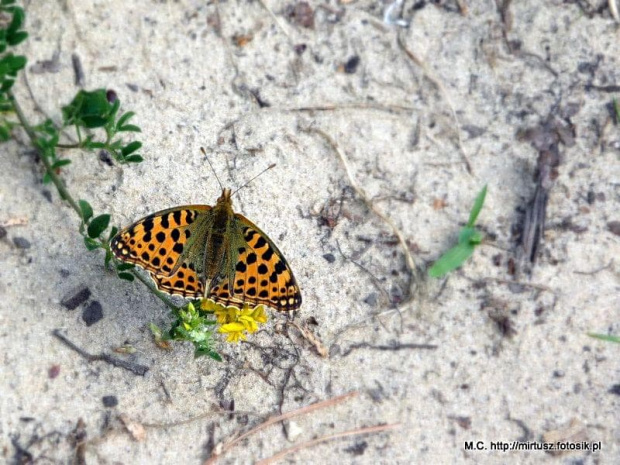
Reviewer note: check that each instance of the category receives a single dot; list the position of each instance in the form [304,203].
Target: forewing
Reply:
[156,242]
[262,275]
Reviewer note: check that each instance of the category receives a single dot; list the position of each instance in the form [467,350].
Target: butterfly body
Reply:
[201,251]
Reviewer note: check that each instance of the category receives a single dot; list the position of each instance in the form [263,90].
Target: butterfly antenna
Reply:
[204,152]
[273,165]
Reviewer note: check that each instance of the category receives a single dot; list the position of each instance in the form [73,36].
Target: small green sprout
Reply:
[196,326]
[469,238]
[98,109]
[605,337]
[617,110]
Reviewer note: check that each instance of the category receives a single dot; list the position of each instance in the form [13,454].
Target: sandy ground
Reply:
[256,86]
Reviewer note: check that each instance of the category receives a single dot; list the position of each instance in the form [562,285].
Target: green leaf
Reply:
[87,210]
[14,63]
[475,211]
[115,106]
[131,148]
[60,163]
[92,145]
[113,232]
[98,225]
[125,266]
[4,134]
[134,159]
[124,118]
[451,260]
[129,128]
[91,244]
[200,352]
[89,109]
[617,111]
[16,22]
[127,276]
[605,337]
[6,85]
[17,38]
[108,258]
[470,236]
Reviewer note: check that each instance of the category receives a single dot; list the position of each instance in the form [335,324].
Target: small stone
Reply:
[293,430]
[2,232]
[614,227]
[93,313]
[21,242]
[76,297]
[329,257]
[110,401]
[351,65]
[615,389]
[105,157]
[302,14]
[371,299]
[111,96]
[53,371]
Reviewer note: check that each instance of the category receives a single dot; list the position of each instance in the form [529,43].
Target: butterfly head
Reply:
[225,197]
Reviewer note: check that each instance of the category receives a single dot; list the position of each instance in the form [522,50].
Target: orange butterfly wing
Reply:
[262,275]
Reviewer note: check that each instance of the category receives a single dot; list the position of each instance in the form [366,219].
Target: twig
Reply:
[430,76]
[388,108]
[285,416]
[275,18]
[393,348]
[613,8]
[199,417]
[596,271]
[314,442]
[117,362]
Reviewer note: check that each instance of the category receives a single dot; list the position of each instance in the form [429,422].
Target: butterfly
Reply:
[201,251]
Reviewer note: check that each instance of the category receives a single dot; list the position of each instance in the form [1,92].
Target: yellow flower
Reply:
[235,322]
[209,305]
[234,331]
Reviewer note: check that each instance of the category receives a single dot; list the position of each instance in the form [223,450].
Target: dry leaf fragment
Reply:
[137,431]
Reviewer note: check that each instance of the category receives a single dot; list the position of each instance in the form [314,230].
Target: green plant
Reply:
[469,239]
[95,120]
[605,337]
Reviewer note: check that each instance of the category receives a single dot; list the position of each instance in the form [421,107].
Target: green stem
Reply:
[68,146]
[148,283]
[48,167]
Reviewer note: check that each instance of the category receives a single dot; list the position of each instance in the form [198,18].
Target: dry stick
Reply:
[285,416]
[430,76]
[276,20]
[613,8]
[314,442]
[117,362]
[388,108]
[411,266]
